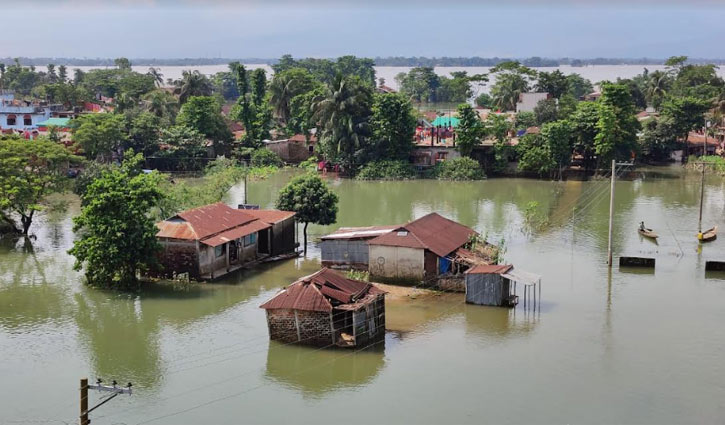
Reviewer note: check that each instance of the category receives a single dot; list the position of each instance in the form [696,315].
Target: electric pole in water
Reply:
[114,388]
[611,210]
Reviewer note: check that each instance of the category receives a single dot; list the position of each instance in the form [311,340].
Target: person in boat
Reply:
[641,226]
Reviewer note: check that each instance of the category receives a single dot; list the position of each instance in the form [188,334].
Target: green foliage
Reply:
[512,79]
[162,104]
[252,109]
[534,155]
[419,84]
[685,114]
[343,114]
[545,111]
[555,83]
[387,170]
[117,237]
[484,100]
[585,128]
[203,114]
[462,168]
[470,129]
[91,171]
[716,164]
[659,138]
[393,127]
[325,70]
[311,199]
[534,219]
[617,126]
[184,145]
[361,275]
[192,83]
[99,134]
[29,171]
[309,164]
[287,85]
[524,120]
[265,157]
[578,86]
[143,133]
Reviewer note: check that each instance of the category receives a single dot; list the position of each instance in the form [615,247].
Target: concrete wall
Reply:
[528,101]
[290,152]
[454,283]
[396,262]
[315,327]
[35,117]
[345,253]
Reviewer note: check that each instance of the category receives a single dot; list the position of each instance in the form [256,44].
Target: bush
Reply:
[387,170]
[91,171]
[463,168]
[265,157]
[309,164]
[716,164]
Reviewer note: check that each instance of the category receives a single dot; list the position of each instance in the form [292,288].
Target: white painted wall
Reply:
[397,262]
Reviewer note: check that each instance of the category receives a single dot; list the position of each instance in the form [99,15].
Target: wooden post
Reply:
[297,326]
[611,215]
[84,402]
[702,195]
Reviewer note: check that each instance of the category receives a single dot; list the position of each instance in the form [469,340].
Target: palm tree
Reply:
[158,76]
[162,104]
[658,83]
[343,113]
[192,83]
[285,86]
[507,90]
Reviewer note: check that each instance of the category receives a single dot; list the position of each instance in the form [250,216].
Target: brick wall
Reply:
[179,257]
[451,283]
[314,326]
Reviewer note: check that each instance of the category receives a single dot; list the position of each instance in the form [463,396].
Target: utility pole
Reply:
[114,388]
[611,209]
[611,215]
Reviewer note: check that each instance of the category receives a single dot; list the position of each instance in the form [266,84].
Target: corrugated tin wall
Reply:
[486,289]
[343,252]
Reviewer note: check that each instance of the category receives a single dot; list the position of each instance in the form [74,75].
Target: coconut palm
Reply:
[658,82]
[342,114]
[162,104]
[507,90]
[157,75]
[285,86]
[192,83]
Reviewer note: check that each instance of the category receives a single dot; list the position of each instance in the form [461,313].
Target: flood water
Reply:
[620,347]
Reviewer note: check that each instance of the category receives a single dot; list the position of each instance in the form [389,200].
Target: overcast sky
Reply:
[268,29]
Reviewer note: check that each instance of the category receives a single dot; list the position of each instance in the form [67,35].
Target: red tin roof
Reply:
[203,222]
[433,232]
[490,269]
[318,292]
[236,233]
[270,216]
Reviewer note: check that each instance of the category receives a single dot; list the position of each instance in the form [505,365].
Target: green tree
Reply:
[143,133]
[28,173]
[192,83]
[658,84]
[685,114]
[99,134]
[184,145]
[156,74]
[578,86]
[122,63]
[524,120]
[419,84]
[312,201]
[534,155]
[658,138]
[585,128]
[393,127]
[162,104]
[545,111]
[484,100]
[117,235]
[512,79]
[469,131]
[204,114]
[285,86]
[265,158]
[343,113]
[617,126]
[555,83]
[558,140]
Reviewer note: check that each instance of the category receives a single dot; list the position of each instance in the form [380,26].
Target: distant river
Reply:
[594,73]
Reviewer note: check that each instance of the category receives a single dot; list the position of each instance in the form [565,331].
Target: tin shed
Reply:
[485,285]
[347,247]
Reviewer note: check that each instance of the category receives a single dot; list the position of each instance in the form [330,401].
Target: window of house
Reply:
[11,119]
[220,250]
[27,120]
[312,149]
[250,239]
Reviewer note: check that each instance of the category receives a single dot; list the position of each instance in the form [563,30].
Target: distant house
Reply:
[425,155]
[382,88]
[294,149]
[528,101]
[696,142]
[420,250]
[326,309]
[213,240]
[496,285]
[347,247]
[63,124]
[591,97]
[18,115]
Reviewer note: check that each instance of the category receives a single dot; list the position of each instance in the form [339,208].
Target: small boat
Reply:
[648,233]
[708,235]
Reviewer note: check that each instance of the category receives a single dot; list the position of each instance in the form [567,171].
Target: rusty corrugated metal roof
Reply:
[490,269]
[270,216]
[236,233]
[368,232]
[214,218]
[175,229]
[433,231]
[317,292]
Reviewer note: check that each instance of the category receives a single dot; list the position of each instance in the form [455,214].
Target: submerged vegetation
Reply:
[462,168]
[387,170]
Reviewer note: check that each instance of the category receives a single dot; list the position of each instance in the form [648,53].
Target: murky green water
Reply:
[622,348]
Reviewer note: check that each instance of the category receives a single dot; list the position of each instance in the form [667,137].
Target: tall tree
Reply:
[192,83]
[469,131]
[157,76]
[343,113]
[122,63]
[312,201]
[393,126]
[62,73]
[204,114]
[117,235]
[285,86]
[28,173]
[617,126]
[99,135]
[555,83]
[685,114]
[512,79]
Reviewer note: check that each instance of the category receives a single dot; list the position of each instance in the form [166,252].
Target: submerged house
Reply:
[327,309]
[347,247]
[424,249]
[496,285]
[213,240]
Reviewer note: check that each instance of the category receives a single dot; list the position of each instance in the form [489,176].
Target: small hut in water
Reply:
[496,284]
[327,309]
